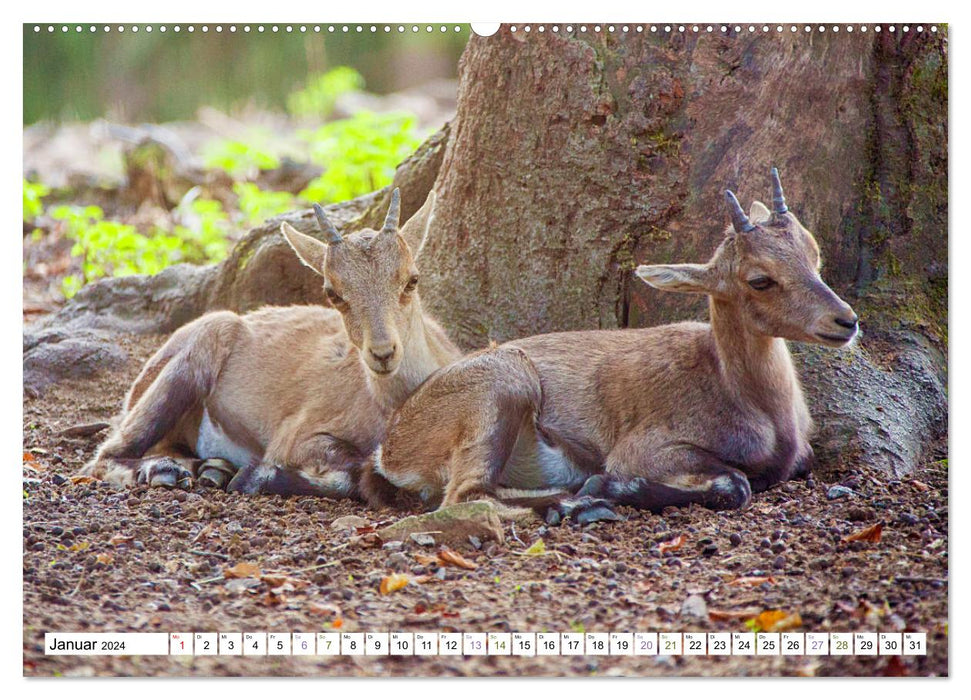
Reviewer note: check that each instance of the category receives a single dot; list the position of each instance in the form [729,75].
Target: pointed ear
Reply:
[694,279]
[311,252]
[415,230]
[759,213]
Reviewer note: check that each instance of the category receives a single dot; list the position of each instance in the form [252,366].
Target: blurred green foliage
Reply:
[34,192]
[320,95]
[259,205]
[358,154]
[238,158]
[112,248]
[165,76]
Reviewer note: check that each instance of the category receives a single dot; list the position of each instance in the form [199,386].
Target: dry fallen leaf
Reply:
[117,540]
[751,581]
[29,457]
[327,609]
[274,579]
[392,583]
[536,548]
[243,569]
[919,485]
[450,556]
[870,534]
[106,558]
[671,545]
[775,621]
[82,479]
[729,615]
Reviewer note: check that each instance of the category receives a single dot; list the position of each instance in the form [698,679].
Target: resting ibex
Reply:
[671,415]
[287,400]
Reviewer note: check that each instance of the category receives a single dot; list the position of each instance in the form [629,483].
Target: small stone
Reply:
[398,562]
[477,543]
[37,546]
[777,535]
[57,531]
[349,522]
[778,547]
[422,539]
[859,514]
[393,545]
[58,479]
[164,607]
[238,585]
[710,550]
[735,539]
[848,572]
[765,543]
[441,574]
[155,512]
[837,491]
[79,531]
[694,606]
[908,519]
[139,545]
[779,562]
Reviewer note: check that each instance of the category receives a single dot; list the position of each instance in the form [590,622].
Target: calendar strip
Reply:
[487,644]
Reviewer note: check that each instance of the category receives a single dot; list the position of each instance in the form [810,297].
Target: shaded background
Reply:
[159,77]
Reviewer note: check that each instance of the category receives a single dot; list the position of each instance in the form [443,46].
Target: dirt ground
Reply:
[100,560]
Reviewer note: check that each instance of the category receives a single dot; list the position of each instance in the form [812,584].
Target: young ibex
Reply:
[287,400]
[672,415]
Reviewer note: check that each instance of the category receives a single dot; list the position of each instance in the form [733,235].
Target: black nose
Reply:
[847,322]
[383,356]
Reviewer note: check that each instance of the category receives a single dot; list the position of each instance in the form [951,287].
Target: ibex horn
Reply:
[327,228]
[394,212]
[778,200]
[740,222]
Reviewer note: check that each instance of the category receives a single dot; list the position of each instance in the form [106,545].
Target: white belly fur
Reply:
[213,443]
[536,465]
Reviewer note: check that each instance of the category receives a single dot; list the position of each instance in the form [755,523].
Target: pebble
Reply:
[735,539]
[779,562]
[348,522]
[441,574]
[398,562]
[778,547]
[422,539]
[835,492]
[393,545]
[765,543]
[477,543]
[777,535]
[908,519]
[59,479]
[694,606]
[79,531]
[710,550]
[57,531]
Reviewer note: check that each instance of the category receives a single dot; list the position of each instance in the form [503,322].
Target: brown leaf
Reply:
[775,621]
[895,667]
[870,534]
[82,479]
[751,581]
[29,457]
[243,569]
[450,556]
[273,579]
[425,559]
[106,558]
[392,583]
[919,485]
[730,615]
[118,540]
[324,609]
[671,545]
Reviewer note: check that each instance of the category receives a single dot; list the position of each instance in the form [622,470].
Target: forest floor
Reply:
[150,560]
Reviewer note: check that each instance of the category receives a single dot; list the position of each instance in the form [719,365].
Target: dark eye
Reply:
[761,283]
[334,298]
[412,283]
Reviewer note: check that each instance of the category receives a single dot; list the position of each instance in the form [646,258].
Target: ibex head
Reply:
[371,278]
[768,267]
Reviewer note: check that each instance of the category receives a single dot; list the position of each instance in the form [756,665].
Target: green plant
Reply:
[359,154]
[259,205]
[241,158]
[204,239]
[110,247]
[34,192]
[317,99]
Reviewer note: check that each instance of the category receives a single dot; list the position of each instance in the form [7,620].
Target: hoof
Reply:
[166,473]
[583,510]
[216,474]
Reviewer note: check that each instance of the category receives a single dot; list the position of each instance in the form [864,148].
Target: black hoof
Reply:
[165,472]
[583,510]
[216,473]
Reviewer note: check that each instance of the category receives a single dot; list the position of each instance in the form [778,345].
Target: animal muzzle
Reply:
[383,358]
